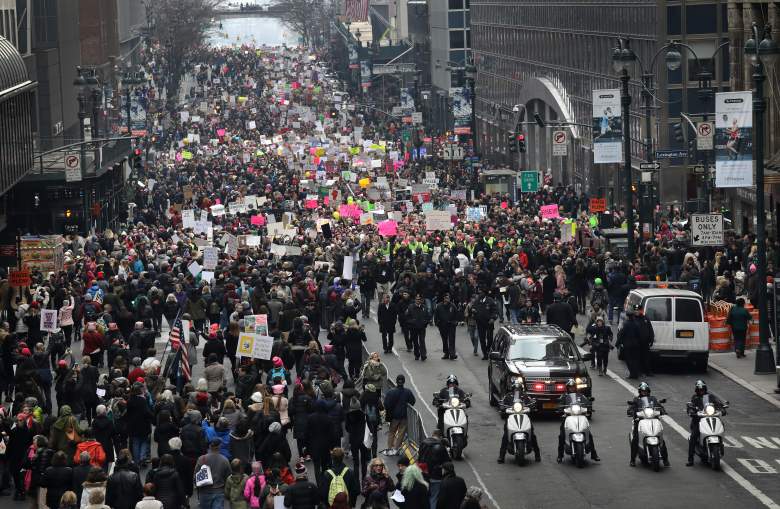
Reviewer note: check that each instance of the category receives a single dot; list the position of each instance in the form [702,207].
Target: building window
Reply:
[456,5]
[673,20]
[455,19]
[701,19]
[459,57]
[457,39]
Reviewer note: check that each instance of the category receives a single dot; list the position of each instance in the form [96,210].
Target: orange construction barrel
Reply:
[753,337]
[720,335]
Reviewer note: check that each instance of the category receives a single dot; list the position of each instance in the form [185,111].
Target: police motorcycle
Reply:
[709,445]
[576,426]
[649,429]
[455,420]
[519,429]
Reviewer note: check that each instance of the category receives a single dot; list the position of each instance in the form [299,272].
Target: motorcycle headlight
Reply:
[517,407]
[648,412]
[709,410]
[518,379]
[454,402]
[575,409]
[582,383]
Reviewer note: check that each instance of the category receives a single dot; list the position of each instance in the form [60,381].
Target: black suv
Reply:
[543,357]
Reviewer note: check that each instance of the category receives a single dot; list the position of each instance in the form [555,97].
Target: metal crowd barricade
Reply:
[415,433]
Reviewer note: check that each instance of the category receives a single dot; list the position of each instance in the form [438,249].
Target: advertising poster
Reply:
[407,101]
[365,73]
[461,109]
[354,62]
[734,139]
[607,127]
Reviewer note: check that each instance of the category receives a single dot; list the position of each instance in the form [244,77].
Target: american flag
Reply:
[356,10]
[178,345]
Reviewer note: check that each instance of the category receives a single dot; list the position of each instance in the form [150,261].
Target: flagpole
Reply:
[168,343]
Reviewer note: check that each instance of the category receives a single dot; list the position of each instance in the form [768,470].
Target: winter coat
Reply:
[97,455]
[303,495]
[186,471]
[193,440]
[104,431]
[56,480]
[249,490]
[170,487]
[139,417]
[243,447]
[417,317]
[415,498]
[273,443]
[387,316]
[234,491]
[300,410]
[215,376]
[451,492]
[320,435]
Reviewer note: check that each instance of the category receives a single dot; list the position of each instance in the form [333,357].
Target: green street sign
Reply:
[529,181]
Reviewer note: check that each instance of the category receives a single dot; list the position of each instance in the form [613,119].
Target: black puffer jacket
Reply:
[56,480]
[124,489]
[170,488]
[193,440]
[302,495]
[104,433]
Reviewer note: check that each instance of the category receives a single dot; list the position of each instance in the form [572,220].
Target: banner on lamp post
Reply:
[607,127]
[734,139]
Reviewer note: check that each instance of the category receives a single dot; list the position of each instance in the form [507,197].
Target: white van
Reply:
[679,323]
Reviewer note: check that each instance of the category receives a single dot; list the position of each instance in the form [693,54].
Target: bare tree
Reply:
[307,18]
[180,25]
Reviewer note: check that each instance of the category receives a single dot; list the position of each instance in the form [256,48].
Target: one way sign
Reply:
[707,229]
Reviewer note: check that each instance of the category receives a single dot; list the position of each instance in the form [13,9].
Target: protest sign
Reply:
[49,320]
[549,211]
[388,228]
[210,258]
[438,220]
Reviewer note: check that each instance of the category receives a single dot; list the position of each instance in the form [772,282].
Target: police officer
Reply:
[444,395]
[573,397]
[634,407]
[646,339]
[517,395]
[601,342]
[561,314]
[628,342]
[695,406]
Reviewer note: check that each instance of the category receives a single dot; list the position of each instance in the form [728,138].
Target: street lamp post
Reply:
[623,58]
[762,55]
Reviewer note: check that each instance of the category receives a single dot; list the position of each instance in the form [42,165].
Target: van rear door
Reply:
[659,311]
[690,330]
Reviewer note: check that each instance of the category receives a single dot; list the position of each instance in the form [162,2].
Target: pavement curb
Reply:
[744,383]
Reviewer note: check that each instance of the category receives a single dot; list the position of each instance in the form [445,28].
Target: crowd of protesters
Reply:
[293,185]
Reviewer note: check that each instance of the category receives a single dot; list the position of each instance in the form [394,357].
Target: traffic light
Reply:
[511,142]
[137,163]
[679,135]
[521,143]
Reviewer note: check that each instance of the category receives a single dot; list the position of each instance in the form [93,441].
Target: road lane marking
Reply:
[736,476]
[410,378]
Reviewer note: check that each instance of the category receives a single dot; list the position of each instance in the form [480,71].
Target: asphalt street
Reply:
[753,436]
[751,463]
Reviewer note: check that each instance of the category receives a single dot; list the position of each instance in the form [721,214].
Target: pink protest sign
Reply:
[549,211]
[311,204]
[179,157]
[258,220]
[220,132]
[348,210]
[388,228]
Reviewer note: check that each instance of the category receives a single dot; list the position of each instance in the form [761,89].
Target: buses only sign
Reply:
[707,230]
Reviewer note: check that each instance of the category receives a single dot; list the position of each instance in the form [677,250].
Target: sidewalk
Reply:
[740,371]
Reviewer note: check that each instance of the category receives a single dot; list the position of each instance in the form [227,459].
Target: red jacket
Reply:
[93,341]
[135,374]
[97,456]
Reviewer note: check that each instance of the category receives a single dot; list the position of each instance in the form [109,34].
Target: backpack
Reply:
[214,309]
[372,414]
[90,312]
[337,485]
